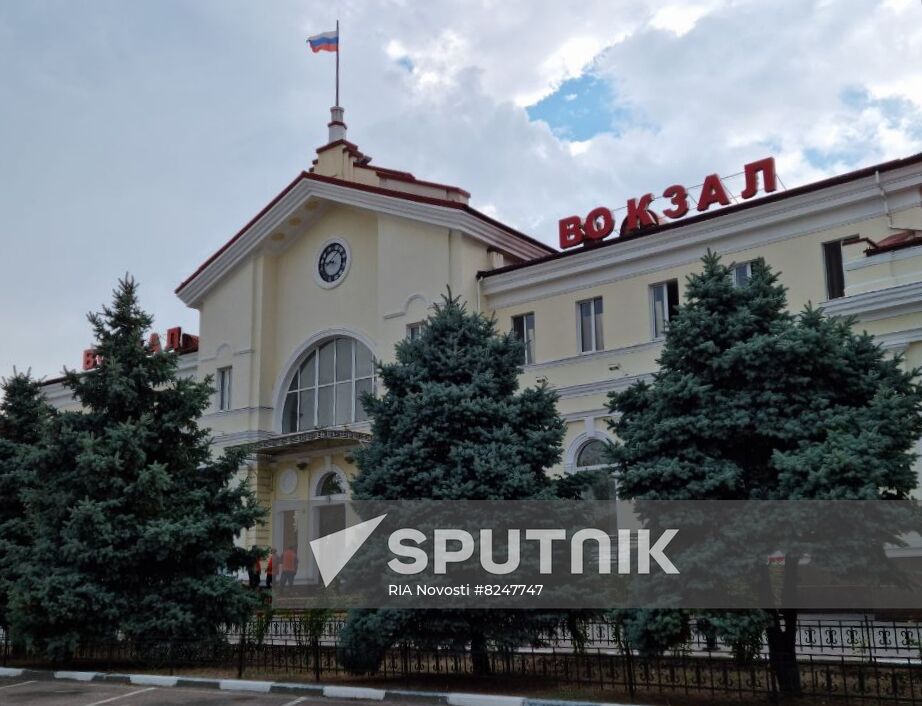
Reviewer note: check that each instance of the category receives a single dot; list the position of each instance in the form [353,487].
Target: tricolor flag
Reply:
[325,41]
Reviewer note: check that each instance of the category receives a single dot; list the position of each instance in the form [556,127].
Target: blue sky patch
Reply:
[580,109]
[894,110]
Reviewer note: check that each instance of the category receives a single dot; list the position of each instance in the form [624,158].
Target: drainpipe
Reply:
[478,292]
[883,196]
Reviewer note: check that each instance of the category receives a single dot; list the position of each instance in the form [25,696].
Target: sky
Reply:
[137,137]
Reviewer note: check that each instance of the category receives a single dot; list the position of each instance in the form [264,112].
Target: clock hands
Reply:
[332,263]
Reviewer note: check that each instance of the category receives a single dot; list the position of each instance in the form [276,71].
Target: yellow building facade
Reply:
[349,258]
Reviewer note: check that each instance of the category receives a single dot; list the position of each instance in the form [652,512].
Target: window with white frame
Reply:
[593,454]
[593,458]
[223,389]
[589,325]
[741,273]
[523,327]
[664,299]
[327,386]
[414,331]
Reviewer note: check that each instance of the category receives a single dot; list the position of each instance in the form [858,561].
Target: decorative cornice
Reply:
[601,356]
[235,438]
[879,303]
[899,340]
[601,387]
[598,413]
[872,259]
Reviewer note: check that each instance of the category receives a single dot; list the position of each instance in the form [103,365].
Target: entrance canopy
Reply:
[312,440]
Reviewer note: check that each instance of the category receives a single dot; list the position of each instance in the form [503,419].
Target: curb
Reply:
[332,691]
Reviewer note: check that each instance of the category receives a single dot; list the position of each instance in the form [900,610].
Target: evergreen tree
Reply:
[133,522]
[751,402]
[452,425]
[23,414]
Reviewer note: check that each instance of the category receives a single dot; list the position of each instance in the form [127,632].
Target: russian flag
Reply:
[325,41]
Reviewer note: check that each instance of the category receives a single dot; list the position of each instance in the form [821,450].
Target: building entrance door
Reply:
[330,518]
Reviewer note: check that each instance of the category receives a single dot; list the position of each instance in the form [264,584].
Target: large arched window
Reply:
[327,387]
[592,454]
[592,457]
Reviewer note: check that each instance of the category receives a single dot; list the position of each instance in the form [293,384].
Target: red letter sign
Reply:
[638,214]
[571,232]
[679,197]
[599,223]
[767,167]
[712,191]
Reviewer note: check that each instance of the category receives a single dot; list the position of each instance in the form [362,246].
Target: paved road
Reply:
[23,692]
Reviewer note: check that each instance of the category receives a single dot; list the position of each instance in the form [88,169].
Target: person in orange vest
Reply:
[272,567]
[289,565]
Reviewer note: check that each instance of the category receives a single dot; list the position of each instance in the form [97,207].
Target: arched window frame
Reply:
[361,378]
[334,472]
[577,446]
[582,449]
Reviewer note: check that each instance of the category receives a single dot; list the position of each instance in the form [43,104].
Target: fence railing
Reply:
[859,639]
[857,661]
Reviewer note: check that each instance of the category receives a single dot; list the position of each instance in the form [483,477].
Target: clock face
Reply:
[332,262]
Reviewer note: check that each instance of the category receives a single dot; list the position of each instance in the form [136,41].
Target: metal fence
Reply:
[855,638]
[849,661]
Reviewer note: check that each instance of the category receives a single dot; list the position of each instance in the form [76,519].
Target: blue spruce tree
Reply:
[453,425]
[131,518]
[754,403]
[23,415]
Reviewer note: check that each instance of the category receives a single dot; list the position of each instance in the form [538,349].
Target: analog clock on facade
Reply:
[332,263]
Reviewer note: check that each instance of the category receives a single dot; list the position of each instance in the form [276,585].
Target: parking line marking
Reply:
[296,701]
[121,696]
[22,683]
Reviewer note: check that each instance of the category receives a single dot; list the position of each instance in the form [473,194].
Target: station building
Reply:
[349,258]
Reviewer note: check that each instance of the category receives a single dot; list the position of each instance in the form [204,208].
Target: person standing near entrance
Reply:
[289,565]
[272,567]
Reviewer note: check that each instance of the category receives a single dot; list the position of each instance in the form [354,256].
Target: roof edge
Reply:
[736,208]
[418,198]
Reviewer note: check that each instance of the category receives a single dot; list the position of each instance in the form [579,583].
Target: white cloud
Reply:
[146,141]
[680,18]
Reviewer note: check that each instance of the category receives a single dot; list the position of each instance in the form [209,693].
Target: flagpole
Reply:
[338,46]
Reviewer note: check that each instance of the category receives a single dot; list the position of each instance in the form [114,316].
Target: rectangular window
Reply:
[224,389]
[589,321]
[664,298]
[523,326]
[415,330]
[742,273]
[835,272]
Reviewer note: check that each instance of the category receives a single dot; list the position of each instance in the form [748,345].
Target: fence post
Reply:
[869,636]
[6,645]
[629,670]
[241,650]
[405,662]
[315,648]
